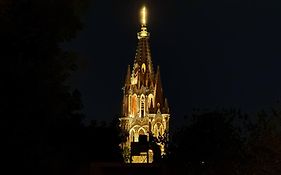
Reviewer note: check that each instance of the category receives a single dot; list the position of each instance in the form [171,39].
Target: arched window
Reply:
[132,135]
[155,131]
[161,130]
[141,131]
[134,105]
[129,104]
[150,100]
[158,130]
[143,68]
[142,105]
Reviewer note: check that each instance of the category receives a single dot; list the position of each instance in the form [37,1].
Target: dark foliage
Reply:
[264,144]
[41,116]
[154,146]
[209,144]
[101,142]
[227,142]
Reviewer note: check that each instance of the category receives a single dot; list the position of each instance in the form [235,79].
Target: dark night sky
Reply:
[211,53]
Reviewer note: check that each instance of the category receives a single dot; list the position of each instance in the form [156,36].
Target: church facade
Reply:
[145,110]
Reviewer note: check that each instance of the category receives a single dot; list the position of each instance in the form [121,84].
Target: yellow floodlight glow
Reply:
[143,16]
[143,20]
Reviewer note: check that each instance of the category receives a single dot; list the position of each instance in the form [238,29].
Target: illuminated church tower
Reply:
[144,108]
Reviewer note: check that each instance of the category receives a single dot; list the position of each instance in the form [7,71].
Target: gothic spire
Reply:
[159,98]
[128,76]
[143,67]
[143,99]
[166,106]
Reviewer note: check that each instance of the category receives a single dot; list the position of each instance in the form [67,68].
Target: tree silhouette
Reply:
[42,114]
[101,142]
[209,144]
[264,144]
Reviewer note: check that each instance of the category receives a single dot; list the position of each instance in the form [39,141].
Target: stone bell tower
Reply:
[145,110]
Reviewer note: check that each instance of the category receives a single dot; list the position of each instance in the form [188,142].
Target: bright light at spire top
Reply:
[143,20]
[143,16]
